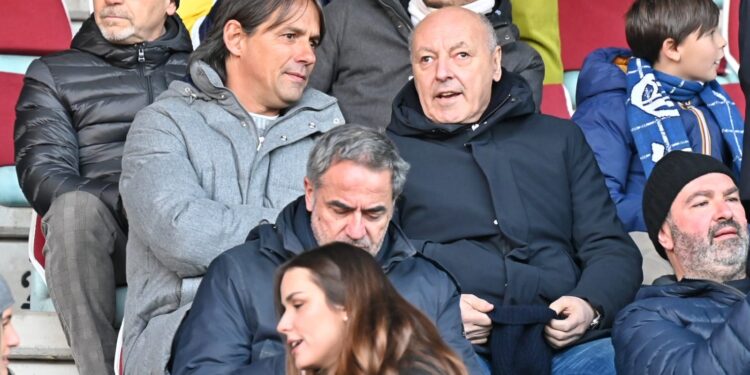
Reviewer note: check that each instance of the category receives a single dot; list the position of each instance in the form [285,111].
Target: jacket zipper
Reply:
[142,70]
[702,125]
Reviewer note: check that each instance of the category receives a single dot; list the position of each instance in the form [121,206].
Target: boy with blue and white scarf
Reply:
[670,99]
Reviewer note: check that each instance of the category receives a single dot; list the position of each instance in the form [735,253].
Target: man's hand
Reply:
[578,315]
[477,324]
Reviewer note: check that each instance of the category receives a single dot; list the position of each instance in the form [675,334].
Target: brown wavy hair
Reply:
[385,334]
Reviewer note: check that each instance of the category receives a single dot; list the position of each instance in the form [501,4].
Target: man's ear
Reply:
[666,240]
[309,198]
[233,37]
[497,58]
[669,50]
[171,7]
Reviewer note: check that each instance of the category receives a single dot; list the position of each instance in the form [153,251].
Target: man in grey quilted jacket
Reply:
[214,156]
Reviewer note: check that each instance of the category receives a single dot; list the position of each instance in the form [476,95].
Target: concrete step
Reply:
[24,367]
[14,222]
[42,337]
[43,348]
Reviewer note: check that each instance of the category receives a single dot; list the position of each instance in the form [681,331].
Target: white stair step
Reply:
[42,337]
[43,367]
[14,222]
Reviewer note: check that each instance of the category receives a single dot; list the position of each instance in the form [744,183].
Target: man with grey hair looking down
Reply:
[354,175]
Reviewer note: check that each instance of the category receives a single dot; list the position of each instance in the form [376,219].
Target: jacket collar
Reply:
[511,97]
[728,293]
[292,235]
[176,39]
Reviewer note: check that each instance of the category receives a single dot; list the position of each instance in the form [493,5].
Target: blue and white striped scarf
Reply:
[655,123]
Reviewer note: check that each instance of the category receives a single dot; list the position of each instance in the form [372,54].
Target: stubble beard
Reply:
[702,258]
[364,243]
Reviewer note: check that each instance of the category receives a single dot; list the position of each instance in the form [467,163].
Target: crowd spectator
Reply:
[539,24]
[637,105]
[354,174]
[365,62]
[510,201]
[72,118]
[697,321]
[214,156]
[341,315]
[8,336]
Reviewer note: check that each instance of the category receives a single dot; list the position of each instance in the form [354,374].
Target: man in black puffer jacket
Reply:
[72,119]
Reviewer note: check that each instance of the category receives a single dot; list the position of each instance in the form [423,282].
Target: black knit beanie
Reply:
[669,176]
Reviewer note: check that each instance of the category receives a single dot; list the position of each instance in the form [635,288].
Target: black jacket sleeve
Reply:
[46,145]
[610,261]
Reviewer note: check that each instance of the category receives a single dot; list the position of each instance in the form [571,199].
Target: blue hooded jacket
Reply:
[601,98]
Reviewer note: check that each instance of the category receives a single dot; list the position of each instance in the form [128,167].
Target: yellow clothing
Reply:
[192,10]
[538,22]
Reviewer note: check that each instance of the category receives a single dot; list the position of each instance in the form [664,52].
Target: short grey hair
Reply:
[486,25]
[362,145]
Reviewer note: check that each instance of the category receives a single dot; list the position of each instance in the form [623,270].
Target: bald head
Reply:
[455,60]
[489,31]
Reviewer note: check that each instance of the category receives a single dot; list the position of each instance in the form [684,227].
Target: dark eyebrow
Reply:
[700,193]
[298,31]
[290,296]
[731,190]
[340,205]
[374,210]
[344,207]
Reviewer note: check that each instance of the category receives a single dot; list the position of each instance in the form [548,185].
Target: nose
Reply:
[355,228]
[444,71]
[305,53]
[723,211]
[11,336]
[285,323]
[720,41]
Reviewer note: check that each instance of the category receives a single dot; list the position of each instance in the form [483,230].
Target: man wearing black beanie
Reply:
[699,321]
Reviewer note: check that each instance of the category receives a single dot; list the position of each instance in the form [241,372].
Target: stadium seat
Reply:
[555,101]
[730,28]
[604,26]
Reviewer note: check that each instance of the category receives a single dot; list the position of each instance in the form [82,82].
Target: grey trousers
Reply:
[85,260]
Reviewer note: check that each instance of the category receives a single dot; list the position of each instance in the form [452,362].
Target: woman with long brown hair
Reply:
[341,315]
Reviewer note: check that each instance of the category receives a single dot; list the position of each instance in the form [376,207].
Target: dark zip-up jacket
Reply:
[76,107]
[231,326]
[514,206]
[364,58]
[689,327]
